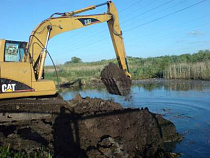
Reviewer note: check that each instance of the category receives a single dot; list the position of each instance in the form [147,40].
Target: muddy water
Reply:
[185,103]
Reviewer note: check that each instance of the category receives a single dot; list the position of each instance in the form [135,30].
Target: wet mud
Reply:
[87,127]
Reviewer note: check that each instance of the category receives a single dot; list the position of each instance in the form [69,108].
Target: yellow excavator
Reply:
[22,63]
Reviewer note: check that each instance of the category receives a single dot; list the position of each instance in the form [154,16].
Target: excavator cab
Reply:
[14,51]
[17,77]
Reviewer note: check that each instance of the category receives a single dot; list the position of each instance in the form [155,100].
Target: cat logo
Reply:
[8,87]
[88,21]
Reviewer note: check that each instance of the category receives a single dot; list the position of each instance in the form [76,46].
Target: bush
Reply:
[74,60]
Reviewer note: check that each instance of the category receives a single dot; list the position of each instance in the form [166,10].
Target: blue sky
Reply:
[150,28]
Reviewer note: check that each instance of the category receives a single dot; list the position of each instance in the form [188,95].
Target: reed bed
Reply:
[196,71]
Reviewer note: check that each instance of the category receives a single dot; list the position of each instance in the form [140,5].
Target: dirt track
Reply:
[86,127]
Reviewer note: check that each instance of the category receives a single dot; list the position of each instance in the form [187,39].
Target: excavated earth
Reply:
[84,127]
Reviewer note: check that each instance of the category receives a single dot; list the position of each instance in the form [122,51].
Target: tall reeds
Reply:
[197,71]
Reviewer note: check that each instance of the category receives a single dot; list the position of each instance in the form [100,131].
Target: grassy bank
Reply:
[87,71]
[186,66]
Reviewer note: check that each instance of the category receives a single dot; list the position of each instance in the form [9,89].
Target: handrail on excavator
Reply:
[81,10]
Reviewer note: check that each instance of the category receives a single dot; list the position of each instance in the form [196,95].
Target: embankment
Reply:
[86,127]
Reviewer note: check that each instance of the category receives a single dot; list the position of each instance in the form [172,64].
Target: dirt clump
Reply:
[87,127]
[115,80]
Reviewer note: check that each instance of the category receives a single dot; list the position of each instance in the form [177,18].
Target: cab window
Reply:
[14,51]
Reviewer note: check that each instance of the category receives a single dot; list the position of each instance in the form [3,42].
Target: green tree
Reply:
[74,60]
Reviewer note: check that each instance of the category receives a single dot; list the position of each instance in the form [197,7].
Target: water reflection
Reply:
[147,85]
[176,85]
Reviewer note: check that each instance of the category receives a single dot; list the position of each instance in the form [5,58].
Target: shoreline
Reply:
[162,80]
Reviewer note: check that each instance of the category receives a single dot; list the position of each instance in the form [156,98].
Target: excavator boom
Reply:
[26,79]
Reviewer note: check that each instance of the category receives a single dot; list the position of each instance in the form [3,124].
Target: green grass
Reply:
[7,152]
[186,66]
[86,70]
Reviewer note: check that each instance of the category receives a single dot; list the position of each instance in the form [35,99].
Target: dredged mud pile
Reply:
[86,127]
[115,80]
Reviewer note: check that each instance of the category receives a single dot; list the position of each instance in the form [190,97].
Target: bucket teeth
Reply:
[115,80]
[117,87]
[111,86]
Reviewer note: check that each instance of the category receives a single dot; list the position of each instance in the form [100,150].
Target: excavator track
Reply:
[30,101]
[30,108]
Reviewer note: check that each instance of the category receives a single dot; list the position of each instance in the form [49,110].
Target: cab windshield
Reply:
[14,51]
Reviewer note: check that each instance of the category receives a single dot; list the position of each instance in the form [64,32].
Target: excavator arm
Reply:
[22,63]
[64,22]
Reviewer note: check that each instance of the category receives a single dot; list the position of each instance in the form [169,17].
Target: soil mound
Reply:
[115,80]
[86,127]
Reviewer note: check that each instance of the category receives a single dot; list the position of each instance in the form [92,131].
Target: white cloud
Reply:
[194,33]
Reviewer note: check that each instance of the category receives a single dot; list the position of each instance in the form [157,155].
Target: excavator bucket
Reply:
[115,80]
